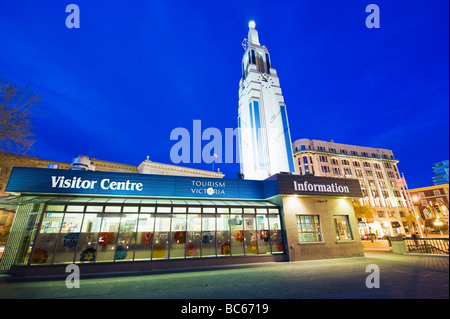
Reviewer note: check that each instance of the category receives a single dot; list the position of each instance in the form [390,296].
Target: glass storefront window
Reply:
[208,235]
[236,234]
[178,236]
[223,235]
[117,233]
[44,246]
[88,239]
[251,247]
[126,237]
[209,210]
[68,238]
[263,234]
[113,209]
[94,209]
[193,242]
[30,232]
[343,231]
[276,238]
[161,237]
[144,236]
[163,209]
[147,209]
[108,237]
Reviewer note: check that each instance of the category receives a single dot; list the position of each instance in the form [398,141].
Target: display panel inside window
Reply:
[343,231]
[92,234]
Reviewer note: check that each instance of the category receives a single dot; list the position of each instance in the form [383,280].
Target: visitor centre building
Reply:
[124,222]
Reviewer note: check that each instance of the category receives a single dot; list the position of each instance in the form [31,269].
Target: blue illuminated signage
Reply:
[30,180]
[52,181]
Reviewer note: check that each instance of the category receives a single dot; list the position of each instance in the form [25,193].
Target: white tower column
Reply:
[264,136]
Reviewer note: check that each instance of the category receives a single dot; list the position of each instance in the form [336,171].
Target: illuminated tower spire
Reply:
[264,136]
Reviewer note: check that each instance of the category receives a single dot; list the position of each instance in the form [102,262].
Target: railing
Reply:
[427,245]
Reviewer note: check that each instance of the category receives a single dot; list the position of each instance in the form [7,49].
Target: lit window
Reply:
[308,228]
[343,231]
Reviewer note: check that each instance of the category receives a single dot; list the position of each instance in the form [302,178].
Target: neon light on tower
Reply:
[264,137]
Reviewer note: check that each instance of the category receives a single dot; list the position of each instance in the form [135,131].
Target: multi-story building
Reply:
[441,172]
[264,137]
[431,204]
[377,172]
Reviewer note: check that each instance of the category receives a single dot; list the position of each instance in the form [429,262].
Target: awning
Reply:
[13,201]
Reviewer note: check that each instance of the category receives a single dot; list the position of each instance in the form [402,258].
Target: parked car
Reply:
[369,236]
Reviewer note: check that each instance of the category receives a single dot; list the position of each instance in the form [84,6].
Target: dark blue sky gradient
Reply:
[115,88]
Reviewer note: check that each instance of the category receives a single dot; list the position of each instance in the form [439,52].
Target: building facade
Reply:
[376,170]
[441,172]
[264,135]
[109,221]
[431,204]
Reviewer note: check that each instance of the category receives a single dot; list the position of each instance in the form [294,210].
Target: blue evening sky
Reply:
[116,87]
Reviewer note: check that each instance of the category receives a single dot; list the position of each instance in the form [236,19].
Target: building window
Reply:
[366,164]
[336,171]
[308,228]
[345,162]
[343,231]
[423,202]
[334,161]
[348,171]
[436,192]
[323,159]
[356,163]
[325,169]
[421,195]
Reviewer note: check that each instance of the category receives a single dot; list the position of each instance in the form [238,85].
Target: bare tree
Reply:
[16,110]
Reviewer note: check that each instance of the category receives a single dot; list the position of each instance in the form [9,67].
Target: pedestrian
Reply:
[415,236]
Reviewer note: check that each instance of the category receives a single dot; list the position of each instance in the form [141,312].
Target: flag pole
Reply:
[410,203]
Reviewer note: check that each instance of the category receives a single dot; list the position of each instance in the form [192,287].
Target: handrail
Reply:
[427,245]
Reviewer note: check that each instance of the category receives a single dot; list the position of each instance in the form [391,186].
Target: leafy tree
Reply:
[364,212]
[16,109]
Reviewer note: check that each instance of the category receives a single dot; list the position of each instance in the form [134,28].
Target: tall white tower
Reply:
[264,137]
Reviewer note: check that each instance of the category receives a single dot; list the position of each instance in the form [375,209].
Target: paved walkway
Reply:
[401,277]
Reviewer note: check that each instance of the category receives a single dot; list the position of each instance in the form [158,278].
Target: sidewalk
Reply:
[401,277]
